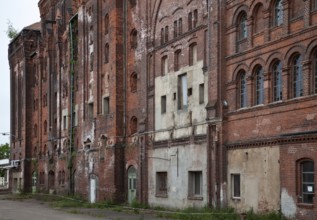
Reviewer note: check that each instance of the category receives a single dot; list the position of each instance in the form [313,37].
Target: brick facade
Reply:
[120,94]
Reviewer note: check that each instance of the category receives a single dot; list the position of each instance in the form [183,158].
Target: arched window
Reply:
[278,13]
[306,186]
[297,76]
[45,127]
[258,19]
[192,54]
[242,89]
[259,86]
[133,125]
[177,55]
[297,8]
[107,53]
[134,39]
[314,69]
[242,26]
[106,24]
[277,81]
[314,5]
[133,82]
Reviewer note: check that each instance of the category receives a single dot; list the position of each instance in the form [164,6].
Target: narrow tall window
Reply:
[134,39]
[307,181]
[195,21]
[297,76]
[106,24]
[259,19]
[107,53]
[91,110]
[106,105]
[277,81]
[180,26]
[177,55]
[242,26]
[133,125]
[190,21]
[314,69]
[278,13]
[166,34]
[259,86]
[175,29]
[314,5]
[243,90]
[201,93]
[45,127]
[192,54]
[182,92]
[134,82]
[64,122]
[164,66]
[163,104]
[162,36]
[235,185]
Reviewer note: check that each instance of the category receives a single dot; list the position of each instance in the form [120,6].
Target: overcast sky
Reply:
[21,13]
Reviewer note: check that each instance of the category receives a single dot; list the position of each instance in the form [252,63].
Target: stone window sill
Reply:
[161,195]
[305,205]
[195,197]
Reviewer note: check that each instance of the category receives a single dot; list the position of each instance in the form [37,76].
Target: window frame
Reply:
[277,81]
[164,65]
[161,183]
[163,104]
[182,98]
[242,90]
[177,55]
[259,85]
[192,54]
[314,70]
[278,13]
[242,26]
[300,177]
[194,190]
[236,185]
[297,76]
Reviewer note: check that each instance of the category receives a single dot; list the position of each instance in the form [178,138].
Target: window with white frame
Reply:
[235,186]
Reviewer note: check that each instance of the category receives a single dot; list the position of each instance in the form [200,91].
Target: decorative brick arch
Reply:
[257,62]
[131,163]
[237,70]
[255,4]
[311,48]
[237,13]
[300,49]
[272,58]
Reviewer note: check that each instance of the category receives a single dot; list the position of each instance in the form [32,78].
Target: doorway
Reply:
[131,184]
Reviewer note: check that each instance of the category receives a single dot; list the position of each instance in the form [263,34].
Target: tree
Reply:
[4,154]
[4,151]
[11,31]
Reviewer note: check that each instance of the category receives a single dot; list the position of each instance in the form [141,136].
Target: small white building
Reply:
[4,180]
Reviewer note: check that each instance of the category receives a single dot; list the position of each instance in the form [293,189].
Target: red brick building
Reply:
[172,103]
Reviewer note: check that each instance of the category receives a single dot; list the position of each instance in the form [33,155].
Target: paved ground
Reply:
[35,210]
